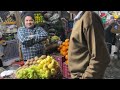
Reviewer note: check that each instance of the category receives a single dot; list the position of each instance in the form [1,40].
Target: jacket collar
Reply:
[78,15]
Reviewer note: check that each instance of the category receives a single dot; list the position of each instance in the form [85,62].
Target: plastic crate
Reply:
[60,59]
[21,63]
[66,73]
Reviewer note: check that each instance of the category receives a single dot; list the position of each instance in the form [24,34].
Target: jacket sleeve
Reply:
[40,35]
[94,34]
[24,39]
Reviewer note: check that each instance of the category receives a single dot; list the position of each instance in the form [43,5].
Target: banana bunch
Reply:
[9,20]
[45,68]
[48,67]
[38,18]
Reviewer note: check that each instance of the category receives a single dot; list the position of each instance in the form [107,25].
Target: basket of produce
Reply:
[44,67]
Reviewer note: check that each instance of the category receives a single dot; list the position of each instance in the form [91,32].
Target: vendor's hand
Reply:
[31,36]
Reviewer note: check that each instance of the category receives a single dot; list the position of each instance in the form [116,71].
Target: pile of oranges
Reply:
[63,48]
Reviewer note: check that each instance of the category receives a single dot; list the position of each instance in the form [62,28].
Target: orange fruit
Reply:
[67,47]
[64,48]
[64,53]
[66,44]
[61,52]
[66,57]
[63,43]
[67,40]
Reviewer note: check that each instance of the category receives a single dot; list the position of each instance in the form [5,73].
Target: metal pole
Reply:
[18,18]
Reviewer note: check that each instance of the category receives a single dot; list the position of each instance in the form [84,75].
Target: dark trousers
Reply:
[1,64]
[109,46]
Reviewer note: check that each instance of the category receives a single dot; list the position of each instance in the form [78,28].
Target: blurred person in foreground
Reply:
[88,56]
[30,37]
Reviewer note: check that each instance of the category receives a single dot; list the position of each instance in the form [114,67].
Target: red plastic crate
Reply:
[65,70]
[21,63]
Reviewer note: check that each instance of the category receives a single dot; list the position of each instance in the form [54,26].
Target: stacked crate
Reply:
[64,67]
[65,70]
[60,59]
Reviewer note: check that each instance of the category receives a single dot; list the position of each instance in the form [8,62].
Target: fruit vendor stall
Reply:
[44,67]
[52,65]
[56,53]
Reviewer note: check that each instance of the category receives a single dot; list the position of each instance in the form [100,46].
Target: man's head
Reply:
[29,20]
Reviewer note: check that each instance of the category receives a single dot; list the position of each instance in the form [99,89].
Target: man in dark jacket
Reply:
[109,37]
[88,56]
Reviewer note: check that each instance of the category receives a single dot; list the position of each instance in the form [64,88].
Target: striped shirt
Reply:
[31,47]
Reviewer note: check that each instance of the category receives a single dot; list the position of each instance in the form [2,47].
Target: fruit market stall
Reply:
[54,62]
[52,65]
[8,28]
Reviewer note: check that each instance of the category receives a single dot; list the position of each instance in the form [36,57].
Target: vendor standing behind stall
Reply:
[30,37]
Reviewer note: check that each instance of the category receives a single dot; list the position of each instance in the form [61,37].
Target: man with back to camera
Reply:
[88,56]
